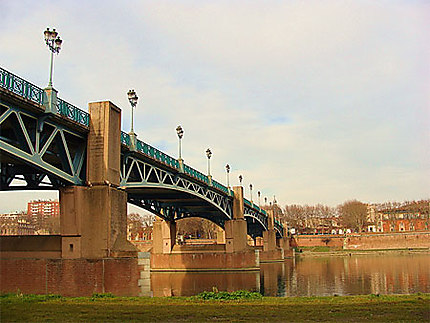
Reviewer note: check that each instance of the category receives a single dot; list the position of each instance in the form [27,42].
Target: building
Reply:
[404,220]
[45,208]
[15,224]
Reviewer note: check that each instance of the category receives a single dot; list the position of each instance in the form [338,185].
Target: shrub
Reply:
[237,295]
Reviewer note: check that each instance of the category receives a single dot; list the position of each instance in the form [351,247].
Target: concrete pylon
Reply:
[94,217]
[235,229]
[164,236]
[220,235]
[269,236]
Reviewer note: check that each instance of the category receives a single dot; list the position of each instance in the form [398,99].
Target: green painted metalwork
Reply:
[20,86]
[220,187]
[34,93]
[156,154]
[71,112]
[27,90]
[55,151]
[125,138]
[196,174]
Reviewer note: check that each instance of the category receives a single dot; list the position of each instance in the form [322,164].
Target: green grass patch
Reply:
[237,295]
[370,308]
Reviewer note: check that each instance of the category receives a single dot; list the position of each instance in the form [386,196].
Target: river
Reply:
[391,273]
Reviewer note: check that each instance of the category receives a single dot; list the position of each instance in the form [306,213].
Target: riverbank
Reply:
[371,308]
[338,252]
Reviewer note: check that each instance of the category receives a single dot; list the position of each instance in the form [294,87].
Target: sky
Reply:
[311,101]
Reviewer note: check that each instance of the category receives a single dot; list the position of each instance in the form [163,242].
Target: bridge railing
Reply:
[196,174]
[34,93]
[220,187]
[71,112]
[125,138]
[156,154]
[20,86]
[254,206]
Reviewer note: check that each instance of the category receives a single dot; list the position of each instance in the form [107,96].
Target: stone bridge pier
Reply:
[94,217]
[234,235]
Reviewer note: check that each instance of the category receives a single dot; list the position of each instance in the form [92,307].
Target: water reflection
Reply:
[311,276]
[187,284]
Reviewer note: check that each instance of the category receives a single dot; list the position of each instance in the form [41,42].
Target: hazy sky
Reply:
[311,101]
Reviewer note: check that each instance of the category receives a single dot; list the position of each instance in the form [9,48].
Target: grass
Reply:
[100,308]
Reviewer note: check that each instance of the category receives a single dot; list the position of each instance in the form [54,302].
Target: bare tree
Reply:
[353,214]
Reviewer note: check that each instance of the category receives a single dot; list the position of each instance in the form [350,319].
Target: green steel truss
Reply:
[38,151]
[31,92]
[44,151]
[170,194]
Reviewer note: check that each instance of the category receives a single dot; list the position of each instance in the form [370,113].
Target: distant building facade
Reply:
[12,224]
[46,208]
[404,220]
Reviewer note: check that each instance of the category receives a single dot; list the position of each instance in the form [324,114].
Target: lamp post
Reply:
[227,168]
[180,133]
[132,98]
[259,201]
[209,155]
[53,42]
[240,180]
[250,190]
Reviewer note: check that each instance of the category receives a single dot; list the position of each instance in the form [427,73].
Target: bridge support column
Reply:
[235,229]
[220,236]
[284,242]
[163,236]
[269,236]
[94,218]
[94,222]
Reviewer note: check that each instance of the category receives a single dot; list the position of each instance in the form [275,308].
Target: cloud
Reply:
[316,101]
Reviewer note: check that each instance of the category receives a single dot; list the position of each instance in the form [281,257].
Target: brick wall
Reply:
[388,241]
[70,277]
[369,241]
[325,240]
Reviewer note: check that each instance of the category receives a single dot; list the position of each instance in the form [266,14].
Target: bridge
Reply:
[48,143]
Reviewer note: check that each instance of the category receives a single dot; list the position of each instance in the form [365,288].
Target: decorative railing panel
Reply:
[156,154]
[125,138]
[20,86]
[71,112]
[196,174]
[220,187]
[34,93]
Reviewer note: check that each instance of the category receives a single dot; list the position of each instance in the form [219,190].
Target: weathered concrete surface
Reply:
[205,261]
[104,144]
[94,218]
[94,222]
[42,246]
[164,236]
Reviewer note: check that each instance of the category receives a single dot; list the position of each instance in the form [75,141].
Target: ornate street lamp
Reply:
[240,180]
[53,42]
[180,133]
[250,190]
[209,155]
[132,98]
[259,201]
[227,168]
